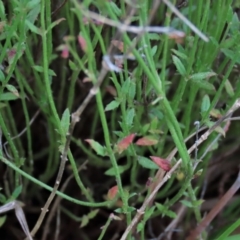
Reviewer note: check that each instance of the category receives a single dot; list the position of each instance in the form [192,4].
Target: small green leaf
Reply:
[72,65]
[147,163]
[132,90]
[229,88]
[98,148]
[140,226]
[115,9]
[165,211]
[130,116]
[31,4]
[65,121]
[32,27]
[153,36]
[202,76]
[8,97]
[3,199]
[38,68]
[16,192]
[186,203]
[112,105]
[111,171]
[12,89]
[2,220]
[179,54]
[131,209]
[84,221]
[180,67]
[126,86]
[2,77]
[205,104]
[53,24]
[118,210]
[154,50]
[204,85]
[93,213]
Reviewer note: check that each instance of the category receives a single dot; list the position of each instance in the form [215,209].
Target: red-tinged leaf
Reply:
[147,141]
[226,128]
[149,182]
[82,43]
[11,54]
[162,163]
[65,52]
[177,36]
[98,148]
[112,192]
[112,90]
[118,44]
[124,144]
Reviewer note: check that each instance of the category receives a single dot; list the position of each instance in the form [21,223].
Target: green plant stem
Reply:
[43,185]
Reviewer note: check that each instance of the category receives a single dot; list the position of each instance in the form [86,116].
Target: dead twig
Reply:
[216,209]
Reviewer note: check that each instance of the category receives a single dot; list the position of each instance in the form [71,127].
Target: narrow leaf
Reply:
[180,67]
[202,76]
[130,116]
[162,163]
[147,163]
[204,85]
[16,192]
[98,148]
[8,97]
[13,90]
[112,105]
[147,141]
[229,88]
[205,104]
[65,121]
[124,143]
[111,171]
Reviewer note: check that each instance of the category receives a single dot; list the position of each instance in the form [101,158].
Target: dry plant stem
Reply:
[57,202]
[59,7]
[173,224]
[185,20]
[132,29]
[159,182]
[216,209]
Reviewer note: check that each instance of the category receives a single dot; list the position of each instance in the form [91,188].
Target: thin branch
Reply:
[216,210]
[57,202]
[185,20]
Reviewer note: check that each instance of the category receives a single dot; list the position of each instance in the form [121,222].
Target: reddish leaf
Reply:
[82,43]
[149,182]
[162,163]
[11,54]
[112,90]
[124,144]
[177,36]
[147,141]
[112,192]
[65,52]
[118,44]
